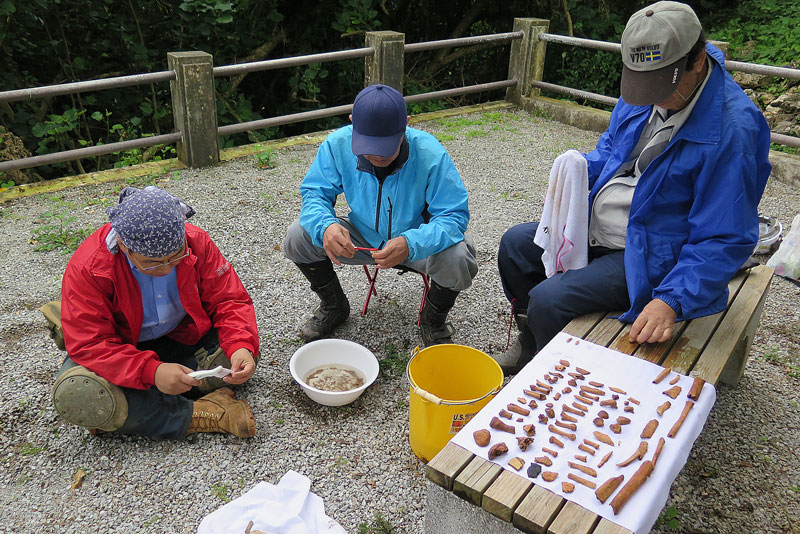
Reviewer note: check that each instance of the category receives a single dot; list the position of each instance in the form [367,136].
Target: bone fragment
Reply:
[524,443]
[577,376]
[549,476]
[543,386]
[588,483]
[555,441]
[580,406]
[530,430]
[567,487]
[673,392]
[568,426]
[544,460]
[628,409]
[593,390]
[572,410]
[572,382]
[603,437]
[498,449]
[565,363]
[566,390]
[649,429]
[517,463]
[482,437]
[535,394]
[518,409]
[638,455]
[675,380]
[555,430]
[663,408]
[603,414]
[497,424]
[582,371]
[677,426]
[617,390]
[604,459]
[533,404]
[587,395]
[568,418]
[557,396]
[616,428]
[598,421]
[660,446]
[505,414]
[591,443]
[611,403]
[560,367]
[550,451]
[607,488]
[596,384]
[543,418]
[586,449]
[627,491]
[581,457]
[583,468]
[584,400]
[550,412]
[623,420]
[662,375]
[697,387]
[636,402]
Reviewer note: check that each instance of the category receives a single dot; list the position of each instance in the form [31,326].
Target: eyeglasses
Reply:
[160,265]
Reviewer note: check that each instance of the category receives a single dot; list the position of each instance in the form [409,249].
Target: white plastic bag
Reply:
[786,261]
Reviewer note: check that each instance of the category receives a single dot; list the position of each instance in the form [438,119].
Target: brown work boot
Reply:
[220,412]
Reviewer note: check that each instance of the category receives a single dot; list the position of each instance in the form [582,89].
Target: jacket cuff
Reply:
[674,304]
[241,345]
[149,372]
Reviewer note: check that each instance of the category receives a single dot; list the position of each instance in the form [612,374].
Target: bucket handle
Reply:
[430,397]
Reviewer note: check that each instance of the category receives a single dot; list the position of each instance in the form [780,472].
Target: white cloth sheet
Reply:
[611,368]
[563,231]
[286,508]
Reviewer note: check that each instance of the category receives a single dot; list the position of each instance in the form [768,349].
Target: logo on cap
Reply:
[645,54]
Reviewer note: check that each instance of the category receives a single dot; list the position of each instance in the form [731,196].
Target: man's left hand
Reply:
[654,324]
[243,365]
[395,251]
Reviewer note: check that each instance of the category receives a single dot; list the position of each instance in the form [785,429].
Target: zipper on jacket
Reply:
[389,199]
[378,206]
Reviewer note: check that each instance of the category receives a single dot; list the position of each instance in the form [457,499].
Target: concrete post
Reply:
[194,107]
[388,64]
[526,62]
[722,45]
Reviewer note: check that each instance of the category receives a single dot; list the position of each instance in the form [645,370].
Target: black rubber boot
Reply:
[334,308]
[522,351]
[433,326]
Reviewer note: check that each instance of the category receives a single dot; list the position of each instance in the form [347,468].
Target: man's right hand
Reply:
[336,242]
[172,379]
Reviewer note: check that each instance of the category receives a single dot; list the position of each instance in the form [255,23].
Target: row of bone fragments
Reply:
[565,426]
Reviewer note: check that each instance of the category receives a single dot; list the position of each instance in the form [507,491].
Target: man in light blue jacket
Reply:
[675,184]
[408,206]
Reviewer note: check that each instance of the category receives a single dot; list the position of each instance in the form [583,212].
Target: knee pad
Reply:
[85,399]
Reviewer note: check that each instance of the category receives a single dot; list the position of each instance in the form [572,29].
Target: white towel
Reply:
[286,508]
[563,232]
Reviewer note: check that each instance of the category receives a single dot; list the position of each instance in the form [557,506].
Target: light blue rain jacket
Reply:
[694,216]
[428,183]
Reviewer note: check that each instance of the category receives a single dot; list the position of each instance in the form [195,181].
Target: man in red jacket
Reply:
[146,300]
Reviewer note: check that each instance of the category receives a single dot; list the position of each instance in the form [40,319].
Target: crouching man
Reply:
[408,206]
[146,300]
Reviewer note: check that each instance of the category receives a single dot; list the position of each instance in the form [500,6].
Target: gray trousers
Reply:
[453,268]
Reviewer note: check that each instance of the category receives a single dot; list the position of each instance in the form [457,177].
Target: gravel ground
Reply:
[742,476]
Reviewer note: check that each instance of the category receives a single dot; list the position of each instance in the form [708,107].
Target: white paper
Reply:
[611,368]
[218,372]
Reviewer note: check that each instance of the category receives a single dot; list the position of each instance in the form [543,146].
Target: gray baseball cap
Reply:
[654,47]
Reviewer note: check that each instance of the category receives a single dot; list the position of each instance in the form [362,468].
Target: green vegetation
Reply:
[378,526]
[395,361]
[29,450]
[56,233]
[220,491]
[669,518]
[266,158]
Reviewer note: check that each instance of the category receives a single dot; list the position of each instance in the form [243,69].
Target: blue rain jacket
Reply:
[694,216]
[426,188]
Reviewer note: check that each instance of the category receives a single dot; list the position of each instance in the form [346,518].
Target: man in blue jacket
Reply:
[407,203]
[675,184]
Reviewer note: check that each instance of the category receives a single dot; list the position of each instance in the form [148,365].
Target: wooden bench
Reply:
[715,348]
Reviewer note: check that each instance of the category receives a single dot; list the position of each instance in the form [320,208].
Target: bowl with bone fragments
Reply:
[333,372]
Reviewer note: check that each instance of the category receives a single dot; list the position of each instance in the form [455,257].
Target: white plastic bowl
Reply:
[332,352]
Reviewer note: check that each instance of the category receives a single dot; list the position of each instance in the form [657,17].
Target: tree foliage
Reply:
[45,42]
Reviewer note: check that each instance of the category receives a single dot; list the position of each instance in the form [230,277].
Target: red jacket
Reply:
[101,308]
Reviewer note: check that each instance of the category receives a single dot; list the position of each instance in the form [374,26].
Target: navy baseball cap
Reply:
[379,121]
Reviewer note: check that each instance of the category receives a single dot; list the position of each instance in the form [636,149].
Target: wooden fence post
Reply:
[194,107]
[526,61]
[388,64]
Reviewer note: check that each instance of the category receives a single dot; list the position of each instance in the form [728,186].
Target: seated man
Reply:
[147,299]
[675,184]
[406,200]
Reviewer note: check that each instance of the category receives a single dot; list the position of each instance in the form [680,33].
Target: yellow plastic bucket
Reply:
[449,385]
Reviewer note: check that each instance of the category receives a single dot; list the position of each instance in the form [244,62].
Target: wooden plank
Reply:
[505,494]
[608,527]
[690,344]
[733,336]
[606,330]
[472,482]
[573,519]
[445,466]
[537,510]
[580,326]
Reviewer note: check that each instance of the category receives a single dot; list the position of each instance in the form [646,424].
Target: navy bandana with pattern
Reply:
[150,221]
